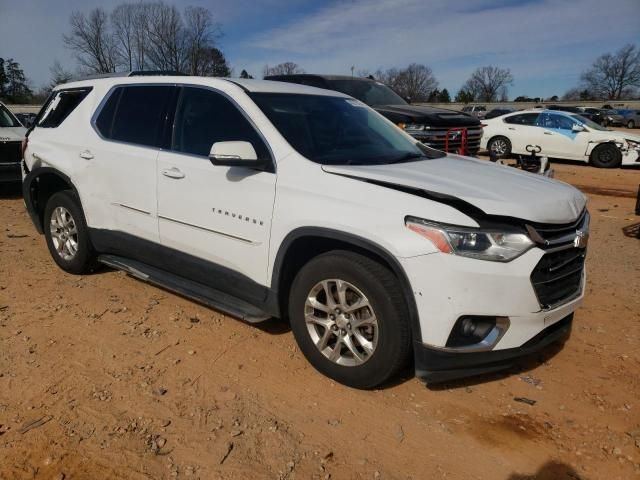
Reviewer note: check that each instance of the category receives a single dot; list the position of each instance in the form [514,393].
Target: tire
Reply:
[67,234]
[631,124]
[500,146]
[388,338]
[606,156]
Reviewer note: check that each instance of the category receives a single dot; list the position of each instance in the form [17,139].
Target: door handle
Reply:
[87,155]
[510,128]
[173,173]
[548,133]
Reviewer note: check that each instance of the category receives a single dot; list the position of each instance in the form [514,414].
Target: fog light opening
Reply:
[477,332]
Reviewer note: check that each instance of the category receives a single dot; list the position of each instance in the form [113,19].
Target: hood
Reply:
[494,189]
[437,117]
[12,134]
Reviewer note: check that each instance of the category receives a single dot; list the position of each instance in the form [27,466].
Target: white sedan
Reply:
[560,135]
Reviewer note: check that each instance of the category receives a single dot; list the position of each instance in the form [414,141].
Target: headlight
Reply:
[632,143]
[495,246]
[414,126]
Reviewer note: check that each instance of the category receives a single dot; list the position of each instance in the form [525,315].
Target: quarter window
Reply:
[523,119]
[60,106]
[204,117]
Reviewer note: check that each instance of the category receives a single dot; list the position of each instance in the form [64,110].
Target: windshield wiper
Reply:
[407,157]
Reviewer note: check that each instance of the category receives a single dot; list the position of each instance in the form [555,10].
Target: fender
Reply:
[359,242]
[29,189]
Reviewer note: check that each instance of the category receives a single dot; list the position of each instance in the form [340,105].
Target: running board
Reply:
[200,293]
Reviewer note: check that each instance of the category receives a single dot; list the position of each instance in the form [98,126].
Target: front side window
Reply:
[523,119]
[339,131]
[553,120]
[204,117]
[134,114]
[6,118]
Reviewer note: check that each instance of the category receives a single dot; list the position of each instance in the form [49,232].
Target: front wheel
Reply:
[606,156]
[631,124]
[67,234]
[350,320]
[500,147]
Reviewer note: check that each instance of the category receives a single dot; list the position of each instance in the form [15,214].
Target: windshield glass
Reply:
[367,91]
[6,118]
[339,131]
[588,123]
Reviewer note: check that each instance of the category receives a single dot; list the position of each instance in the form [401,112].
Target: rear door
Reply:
[123,156]
[219,216]
[521,131]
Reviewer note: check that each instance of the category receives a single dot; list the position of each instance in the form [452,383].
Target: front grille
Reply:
[437,138]
[10,152]
[558,276]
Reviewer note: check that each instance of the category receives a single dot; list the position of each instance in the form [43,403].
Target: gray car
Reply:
[612,118]
[632,118]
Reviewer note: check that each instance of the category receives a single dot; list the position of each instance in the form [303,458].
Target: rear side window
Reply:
[523,119]
[134,114]
[204,117]
[60,106]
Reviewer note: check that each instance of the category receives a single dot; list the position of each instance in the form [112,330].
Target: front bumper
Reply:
[434,365]
[10,172]
[449,287]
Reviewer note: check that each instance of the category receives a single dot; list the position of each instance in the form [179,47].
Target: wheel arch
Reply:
[305,243]
[38,186]
[594,148]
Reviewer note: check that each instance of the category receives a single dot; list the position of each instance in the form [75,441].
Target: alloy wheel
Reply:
[64,233]
[341,322]
[499,146]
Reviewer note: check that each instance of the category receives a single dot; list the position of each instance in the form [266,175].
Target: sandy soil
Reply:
[103,376]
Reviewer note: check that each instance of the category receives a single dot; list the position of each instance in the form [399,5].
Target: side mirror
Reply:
[235,154]
[577,128]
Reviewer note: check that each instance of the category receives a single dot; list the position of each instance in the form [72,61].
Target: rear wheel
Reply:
[606,156]
[631,124]
[67,235]
[500,147]
[350,320]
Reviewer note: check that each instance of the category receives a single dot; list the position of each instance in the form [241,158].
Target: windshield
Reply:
[339,131]
[367,91]
[588,123]
[7,119]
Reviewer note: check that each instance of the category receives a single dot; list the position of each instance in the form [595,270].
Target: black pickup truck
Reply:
[436,127]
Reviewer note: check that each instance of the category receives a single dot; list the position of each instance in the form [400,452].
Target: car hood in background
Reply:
[432,116]
[12,134]
[494,189]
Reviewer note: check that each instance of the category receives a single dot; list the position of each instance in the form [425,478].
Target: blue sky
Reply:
[545,43]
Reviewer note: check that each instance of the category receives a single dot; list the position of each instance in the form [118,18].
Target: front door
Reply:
[560,141]
[219,216]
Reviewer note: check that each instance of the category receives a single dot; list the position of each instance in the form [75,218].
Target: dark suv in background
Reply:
[436,127]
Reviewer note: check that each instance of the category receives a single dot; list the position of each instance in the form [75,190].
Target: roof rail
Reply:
[135,73]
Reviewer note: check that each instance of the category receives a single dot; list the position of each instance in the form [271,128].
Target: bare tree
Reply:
[614,76]
[124,33]
[286,68]
[416,82]
[166,38]
[201,34]
[488,84]
[92,41]
[58,75]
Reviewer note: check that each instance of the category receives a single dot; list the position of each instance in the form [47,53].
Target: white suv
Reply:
[270,199]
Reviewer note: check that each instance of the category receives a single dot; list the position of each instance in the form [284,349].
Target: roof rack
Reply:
[135,73]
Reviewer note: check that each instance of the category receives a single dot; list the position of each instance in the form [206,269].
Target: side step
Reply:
[212,298]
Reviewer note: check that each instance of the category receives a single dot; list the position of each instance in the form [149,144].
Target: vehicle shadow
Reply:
[10,191]
[520,366]
[632,231]
[551,471]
